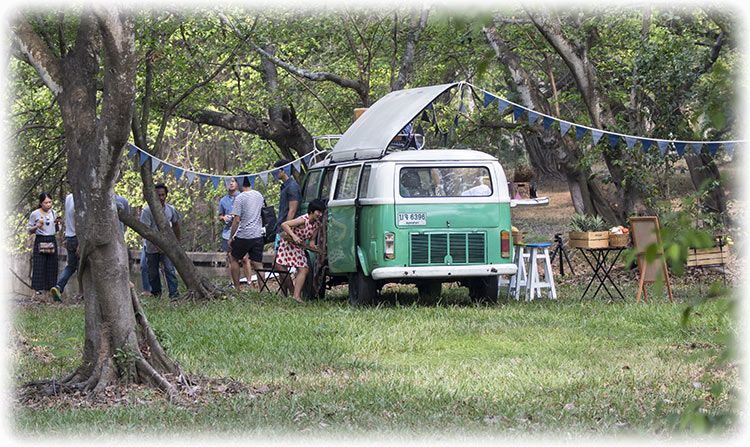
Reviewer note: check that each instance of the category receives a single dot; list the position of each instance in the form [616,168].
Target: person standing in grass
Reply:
[297,233]
[246,237]
[225,216]
[71,247]
[154,255]
[44,225]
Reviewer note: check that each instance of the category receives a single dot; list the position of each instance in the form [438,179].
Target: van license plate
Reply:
[412,219]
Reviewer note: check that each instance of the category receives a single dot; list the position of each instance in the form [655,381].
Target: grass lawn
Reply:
[401,369]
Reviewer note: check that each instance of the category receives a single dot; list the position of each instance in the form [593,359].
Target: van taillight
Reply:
[390,246]
[505,244]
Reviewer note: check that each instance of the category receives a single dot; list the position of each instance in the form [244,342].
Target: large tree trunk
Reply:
[115,327]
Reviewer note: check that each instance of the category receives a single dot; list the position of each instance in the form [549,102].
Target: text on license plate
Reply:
[413,219]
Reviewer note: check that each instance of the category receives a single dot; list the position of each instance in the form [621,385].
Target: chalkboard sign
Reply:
[645,232]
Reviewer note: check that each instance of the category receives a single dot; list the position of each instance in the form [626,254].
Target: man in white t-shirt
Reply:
[246,237]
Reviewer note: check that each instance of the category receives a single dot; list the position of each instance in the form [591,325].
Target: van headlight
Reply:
[390,246]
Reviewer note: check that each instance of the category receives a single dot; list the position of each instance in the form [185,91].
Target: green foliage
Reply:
[587,222]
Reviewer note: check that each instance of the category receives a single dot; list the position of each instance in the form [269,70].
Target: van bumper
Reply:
[443,271]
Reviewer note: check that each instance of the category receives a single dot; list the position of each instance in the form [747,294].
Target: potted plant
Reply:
[586,231]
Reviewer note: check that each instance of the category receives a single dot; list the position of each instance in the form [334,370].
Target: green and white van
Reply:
[417,216]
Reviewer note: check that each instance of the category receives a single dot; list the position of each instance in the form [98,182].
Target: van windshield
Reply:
[445,181]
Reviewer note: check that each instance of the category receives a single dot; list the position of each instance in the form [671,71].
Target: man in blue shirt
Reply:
[225,217]
[154,255]
[289,197]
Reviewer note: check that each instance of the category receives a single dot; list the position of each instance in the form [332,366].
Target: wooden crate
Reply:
[591,239]
[707,256]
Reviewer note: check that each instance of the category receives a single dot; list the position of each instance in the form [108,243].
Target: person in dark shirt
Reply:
[289,198]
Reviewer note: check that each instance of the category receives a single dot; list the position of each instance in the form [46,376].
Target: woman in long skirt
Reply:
[44,224]
[296,234]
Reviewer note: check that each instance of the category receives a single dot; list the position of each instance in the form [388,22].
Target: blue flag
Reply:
[597,135]
[713,148]
[680,147]
[580,132]
[613,140]
[502,105]
[533,116]
[697,147]
[564,126]
[517,112]
[646,144]
[488,99]
[547,122]
[144,157]
[662,146]
[178,173]
[630,141]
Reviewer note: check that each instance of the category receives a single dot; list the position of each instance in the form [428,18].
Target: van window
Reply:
[445,181]
[346,183]
[364,181]
[325,189]
[310,188]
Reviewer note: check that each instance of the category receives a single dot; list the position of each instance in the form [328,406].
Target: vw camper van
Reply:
[416,216]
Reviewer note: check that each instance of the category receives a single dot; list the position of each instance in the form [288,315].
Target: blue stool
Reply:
[534,285]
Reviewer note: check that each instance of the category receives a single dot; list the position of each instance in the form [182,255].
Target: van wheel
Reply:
[484,289]
[362,289]
[429,291]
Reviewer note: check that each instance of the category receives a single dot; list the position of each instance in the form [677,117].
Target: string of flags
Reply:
[597,134]
[216,180]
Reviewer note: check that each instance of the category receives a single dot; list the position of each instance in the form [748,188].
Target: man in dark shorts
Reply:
[246,237]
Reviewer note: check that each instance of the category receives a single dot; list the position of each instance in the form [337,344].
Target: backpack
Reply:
[268,219]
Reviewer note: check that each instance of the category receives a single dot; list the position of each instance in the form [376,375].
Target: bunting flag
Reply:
[613,140]
[630,141]
[227,181]
[289,168]
[597,134]
[564,126]
[488,99]
[580,132]
[662,146]
[533,116]
[646,144]
[548,122]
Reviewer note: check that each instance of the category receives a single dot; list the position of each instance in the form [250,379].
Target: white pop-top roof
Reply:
[368,137]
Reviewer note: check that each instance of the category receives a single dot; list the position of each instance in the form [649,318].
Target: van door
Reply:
[342,214]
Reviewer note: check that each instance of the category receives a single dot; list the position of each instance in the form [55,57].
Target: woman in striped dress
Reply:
[44,224]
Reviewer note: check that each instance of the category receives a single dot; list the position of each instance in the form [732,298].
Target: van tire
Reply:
[362,289]
[484,289]
[429,291]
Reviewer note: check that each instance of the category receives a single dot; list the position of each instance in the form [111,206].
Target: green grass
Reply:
[403,368]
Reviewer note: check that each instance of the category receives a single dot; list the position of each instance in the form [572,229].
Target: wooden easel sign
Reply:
[645,232]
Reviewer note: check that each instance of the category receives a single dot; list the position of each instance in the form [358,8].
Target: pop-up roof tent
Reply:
[369,136]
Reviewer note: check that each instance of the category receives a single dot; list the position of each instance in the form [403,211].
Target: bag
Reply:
[268,218]
[47,248]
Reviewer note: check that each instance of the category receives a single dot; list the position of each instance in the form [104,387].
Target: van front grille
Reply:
[447,248]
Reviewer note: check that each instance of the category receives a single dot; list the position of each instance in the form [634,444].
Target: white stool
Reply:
[540,252]
[517,282]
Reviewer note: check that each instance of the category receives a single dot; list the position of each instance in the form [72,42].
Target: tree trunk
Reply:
[119,343]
